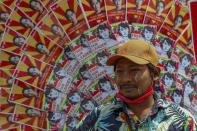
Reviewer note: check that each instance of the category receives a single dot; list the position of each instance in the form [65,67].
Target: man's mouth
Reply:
[128,86]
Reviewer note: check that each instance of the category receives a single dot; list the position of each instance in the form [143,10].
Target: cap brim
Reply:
[113,59]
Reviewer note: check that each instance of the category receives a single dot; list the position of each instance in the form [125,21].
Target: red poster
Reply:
[32,8]
[6,121]
[50,26]
[176,21]
[157,12]
[5,105]
[19,22]
[33,71]
[6,79]
[70,15]
[4,13]
[30,116]
[193,17]
[40,47]
[136,10]
[9,3]
[26,94]
[8,60]
[116,10]
[12,41]
[95,11]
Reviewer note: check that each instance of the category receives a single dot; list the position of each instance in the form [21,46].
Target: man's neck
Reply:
[142,109]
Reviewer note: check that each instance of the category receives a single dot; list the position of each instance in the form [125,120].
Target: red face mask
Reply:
[140,99]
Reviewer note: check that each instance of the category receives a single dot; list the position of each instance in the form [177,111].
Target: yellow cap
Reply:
[137,51]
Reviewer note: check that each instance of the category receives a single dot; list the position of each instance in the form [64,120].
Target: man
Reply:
[160,6]
[71,16]
[95,4]
[137,108]
[26,22]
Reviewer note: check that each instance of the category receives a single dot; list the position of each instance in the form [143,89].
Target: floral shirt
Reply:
[115,116]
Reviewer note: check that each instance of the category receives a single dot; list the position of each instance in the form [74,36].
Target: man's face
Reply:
[56,116]
[33,112]
[104,33]
[148,35]
[168,81]
[188,88]
[35,72]
[42,48]
[15,59]
[53,94]
[102,60]
[118,4]
[19,41]
[106,86]
[96,5]
[30,93]
[132,79]
[89,106]
[4,16]
[36,6]
[72,16]
[56,30]
[170,68]
[75,97]
[27,23]
[177,98]
[178,22]
[160,8]
[124,31]
[166,46]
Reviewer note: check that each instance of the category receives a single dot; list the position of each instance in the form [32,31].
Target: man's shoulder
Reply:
[109,107]
[175,112]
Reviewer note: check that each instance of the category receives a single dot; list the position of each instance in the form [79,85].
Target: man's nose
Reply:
[128,77]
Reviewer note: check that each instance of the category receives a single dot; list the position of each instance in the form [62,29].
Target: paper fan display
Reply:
[53,54]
